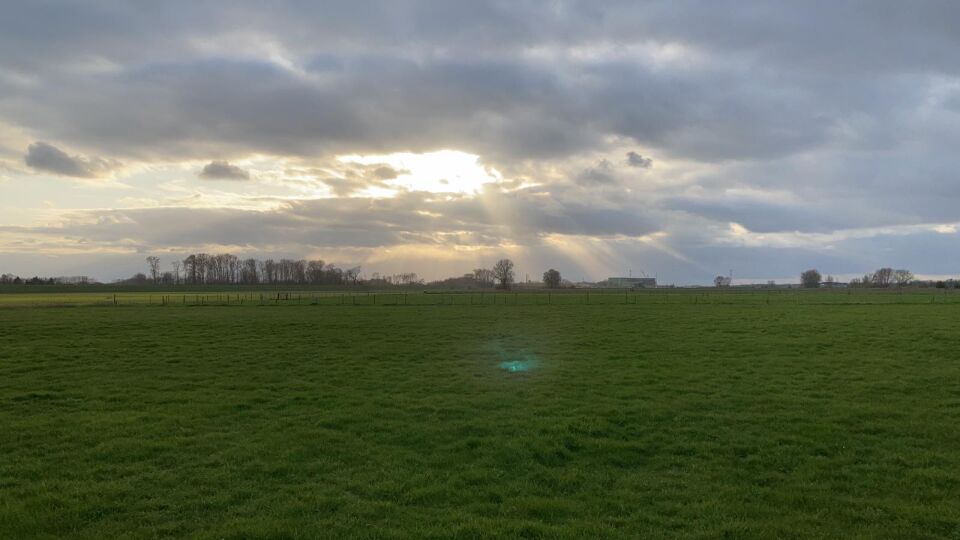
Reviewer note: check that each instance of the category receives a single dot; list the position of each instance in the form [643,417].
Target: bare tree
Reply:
[721,281]
[299,271]
[249,273]
[406,278]
[483,277]
[332,275]
[154,263]
[176,272]
[551,278]
[810,279]
[902,277]
[269,271]
[190,269]
[883,277]
[352,275]
[315,272]
[503,273]
[202,265]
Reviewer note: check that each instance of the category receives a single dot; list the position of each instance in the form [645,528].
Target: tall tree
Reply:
[248,272]
[503,273]
[551,278]
[902,277]
[190,269]
[483,277]
[352,275]
[176,272]
[154,264]
[810,279]
[883,277]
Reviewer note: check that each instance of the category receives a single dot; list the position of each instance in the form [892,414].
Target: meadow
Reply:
[680,415]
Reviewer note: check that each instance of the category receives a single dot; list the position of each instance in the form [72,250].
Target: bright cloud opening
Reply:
[444,171]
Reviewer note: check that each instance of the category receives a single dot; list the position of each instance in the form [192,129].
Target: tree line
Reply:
[201,269]
[11,279]
[882,278]
[227,269]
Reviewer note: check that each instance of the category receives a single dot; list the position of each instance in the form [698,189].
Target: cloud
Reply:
[512,82]
[42,156]
[222,170]
[387,172]
[599,174]
[490,219]
[505,110]
[636,160]
[774,116]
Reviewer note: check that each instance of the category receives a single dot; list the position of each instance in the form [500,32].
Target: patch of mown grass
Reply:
[639,420]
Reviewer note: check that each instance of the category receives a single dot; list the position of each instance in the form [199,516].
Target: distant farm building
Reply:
[630,282]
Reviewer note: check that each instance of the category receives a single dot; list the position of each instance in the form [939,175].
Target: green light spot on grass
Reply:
[515,366]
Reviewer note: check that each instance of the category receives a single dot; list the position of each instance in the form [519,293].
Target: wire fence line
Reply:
[482,298]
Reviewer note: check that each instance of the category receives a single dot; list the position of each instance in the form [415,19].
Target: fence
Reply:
[483,298]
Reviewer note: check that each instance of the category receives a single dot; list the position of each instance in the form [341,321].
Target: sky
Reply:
[675,139]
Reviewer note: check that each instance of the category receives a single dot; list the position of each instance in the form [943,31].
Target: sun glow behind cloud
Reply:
[443,171]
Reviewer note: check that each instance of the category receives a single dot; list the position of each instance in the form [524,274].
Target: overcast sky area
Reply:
[680,139]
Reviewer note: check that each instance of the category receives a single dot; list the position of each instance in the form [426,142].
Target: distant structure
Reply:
[629,282]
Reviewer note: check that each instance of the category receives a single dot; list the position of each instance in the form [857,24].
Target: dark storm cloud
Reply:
[636,160]
[513,109]
[506,81]
[844,34]
[48,158]
[222,170]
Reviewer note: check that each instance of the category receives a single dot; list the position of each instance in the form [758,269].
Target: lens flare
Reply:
[516,366]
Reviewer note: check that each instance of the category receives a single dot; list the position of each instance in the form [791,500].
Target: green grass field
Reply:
[797,417]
